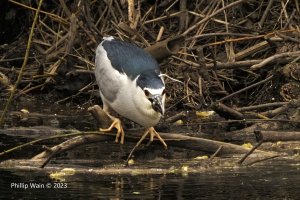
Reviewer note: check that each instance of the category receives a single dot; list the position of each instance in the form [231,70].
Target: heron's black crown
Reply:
[150,79]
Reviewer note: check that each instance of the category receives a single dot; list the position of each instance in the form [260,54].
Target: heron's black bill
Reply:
[157,103]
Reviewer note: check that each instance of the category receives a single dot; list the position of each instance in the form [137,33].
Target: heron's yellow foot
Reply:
[153,134]
[120,132]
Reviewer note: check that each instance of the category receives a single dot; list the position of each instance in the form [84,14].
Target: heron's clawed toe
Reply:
[153,133]
[120,132]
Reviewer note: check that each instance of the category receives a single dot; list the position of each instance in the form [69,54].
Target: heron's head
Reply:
[154,92]
[157,99]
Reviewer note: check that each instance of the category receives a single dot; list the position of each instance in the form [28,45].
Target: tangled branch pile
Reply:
[228,45]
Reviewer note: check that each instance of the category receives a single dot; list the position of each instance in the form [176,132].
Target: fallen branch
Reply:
[70,144]
[227,112]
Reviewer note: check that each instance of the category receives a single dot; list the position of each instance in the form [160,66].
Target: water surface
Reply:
[280,181]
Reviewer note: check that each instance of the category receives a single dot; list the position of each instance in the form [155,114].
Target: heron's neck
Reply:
[144,107]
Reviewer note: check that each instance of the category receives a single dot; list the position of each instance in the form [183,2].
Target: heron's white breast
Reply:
[132,104]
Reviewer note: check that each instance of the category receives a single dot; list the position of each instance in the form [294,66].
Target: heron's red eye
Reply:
[147,93]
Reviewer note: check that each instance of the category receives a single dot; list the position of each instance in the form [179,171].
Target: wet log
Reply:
[201,144]
[274,136]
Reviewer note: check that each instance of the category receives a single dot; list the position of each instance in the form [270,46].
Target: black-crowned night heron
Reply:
[130,84]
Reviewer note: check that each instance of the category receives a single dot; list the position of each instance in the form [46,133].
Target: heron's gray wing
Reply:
[106,76]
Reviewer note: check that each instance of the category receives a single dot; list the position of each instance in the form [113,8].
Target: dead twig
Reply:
[246,88]
[273,58]
[261,106]
[261,160]
[211,15]
[250,152]
[215,154]
[263,18]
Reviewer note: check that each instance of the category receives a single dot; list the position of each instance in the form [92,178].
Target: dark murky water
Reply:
[260,182]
